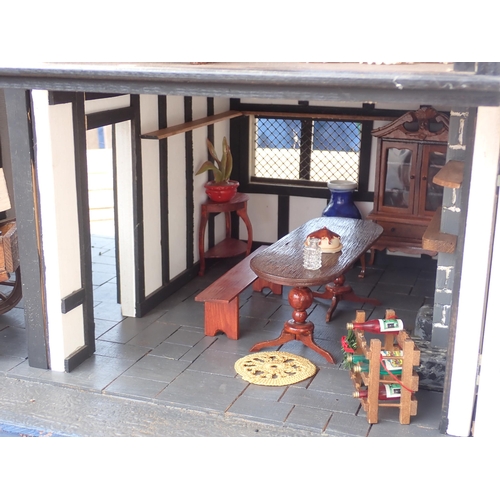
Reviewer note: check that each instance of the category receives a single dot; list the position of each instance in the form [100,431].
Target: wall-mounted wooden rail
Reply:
[186,127]
[227,115]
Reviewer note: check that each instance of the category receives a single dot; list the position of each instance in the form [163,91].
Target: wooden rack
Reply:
[372,379]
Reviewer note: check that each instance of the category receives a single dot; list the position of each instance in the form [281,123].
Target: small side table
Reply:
[229,247]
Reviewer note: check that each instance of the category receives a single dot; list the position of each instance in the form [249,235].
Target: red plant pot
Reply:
[221,193]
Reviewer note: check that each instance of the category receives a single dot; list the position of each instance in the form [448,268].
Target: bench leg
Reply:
[259,284]
[223,318]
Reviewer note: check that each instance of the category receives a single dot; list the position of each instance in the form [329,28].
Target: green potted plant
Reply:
[221,189]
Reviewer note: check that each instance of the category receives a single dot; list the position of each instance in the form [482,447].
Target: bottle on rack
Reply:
[366,368]
[359,358]
[385,391]
[378,325]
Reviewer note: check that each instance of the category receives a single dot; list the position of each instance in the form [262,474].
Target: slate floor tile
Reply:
[428,410]
[197,349]
[206,392]
[102,326]
[333,381]
[136,387]
[188,313]
[126,330]
[300,349]
[13,342]
[186,336]
[14,318]
[109,311]
[322,400]
[264,392]
[153,335]
[9,362]
[216,362]
[241,346]
[347,425]
[94,373]
[107,292]
[308,418]
[115,350]
[169,350]
[157,368]
[260,409]
[386,428]
[99,278]
[259,307]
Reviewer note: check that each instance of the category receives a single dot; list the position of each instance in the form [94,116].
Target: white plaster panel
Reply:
[199,195]
[304,209]
[199,156]
[96,105]
[151,196]
[124,181]
[364,207]
[59,220]
[175,110]
[262,210]
[199,108]
[176,185]
[177,203]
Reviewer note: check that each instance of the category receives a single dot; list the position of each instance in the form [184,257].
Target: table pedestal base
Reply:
[300,298]
[337,291]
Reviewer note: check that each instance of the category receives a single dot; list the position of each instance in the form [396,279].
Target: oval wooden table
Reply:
[281,263]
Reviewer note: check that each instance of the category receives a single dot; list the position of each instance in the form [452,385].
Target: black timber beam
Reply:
[437,85]
[18,148]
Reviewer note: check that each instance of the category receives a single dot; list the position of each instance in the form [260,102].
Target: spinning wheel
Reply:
[10,271]
[10,291]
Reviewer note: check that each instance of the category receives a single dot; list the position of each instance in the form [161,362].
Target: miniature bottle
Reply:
[366,368]
[378,325]
[386,391]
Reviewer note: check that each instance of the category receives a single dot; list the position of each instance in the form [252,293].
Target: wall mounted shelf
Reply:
[186,127]
[451,175]
[433,239]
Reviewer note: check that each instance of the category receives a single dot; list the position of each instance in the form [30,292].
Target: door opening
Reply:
[102,202]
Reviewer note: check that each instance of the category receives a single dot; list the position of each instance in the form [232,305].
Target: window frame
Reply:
[243,140]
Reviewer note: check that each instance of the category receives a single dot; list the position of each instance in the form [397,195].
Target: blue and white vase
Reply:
[341,200]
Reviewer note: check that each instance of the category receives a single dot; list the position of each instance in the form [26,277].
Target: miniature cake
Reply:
[329,242]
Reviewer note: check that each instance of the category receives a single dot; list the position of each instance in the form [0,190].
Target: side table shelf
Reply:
[229,247]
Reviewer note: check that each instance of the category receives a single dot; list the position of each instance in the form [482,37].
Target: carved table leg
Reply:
[337,291]
[300,298]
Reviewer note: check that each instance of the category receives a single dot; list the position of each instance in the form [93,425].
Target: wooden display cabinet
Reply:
[411,151]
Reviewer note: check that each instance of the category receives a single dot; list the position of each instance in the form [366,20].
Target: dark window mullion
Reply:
[305,149]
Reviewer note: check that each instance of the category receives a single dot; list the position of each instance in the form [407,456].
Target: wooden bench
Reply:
[222,297]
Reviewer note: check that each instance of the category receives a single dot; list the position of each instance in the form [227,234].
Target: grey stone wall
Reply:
[450,219]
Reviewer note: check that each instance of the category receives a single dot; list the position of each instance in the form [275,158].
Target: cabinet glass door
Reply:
[433,194]
[397,186]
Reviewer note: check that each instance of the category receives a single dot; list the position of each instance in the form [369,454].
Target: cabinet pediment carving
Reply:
[424,124]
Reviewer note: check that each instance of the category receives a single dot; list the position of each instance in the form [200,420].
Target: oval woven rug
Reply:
[274,368]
